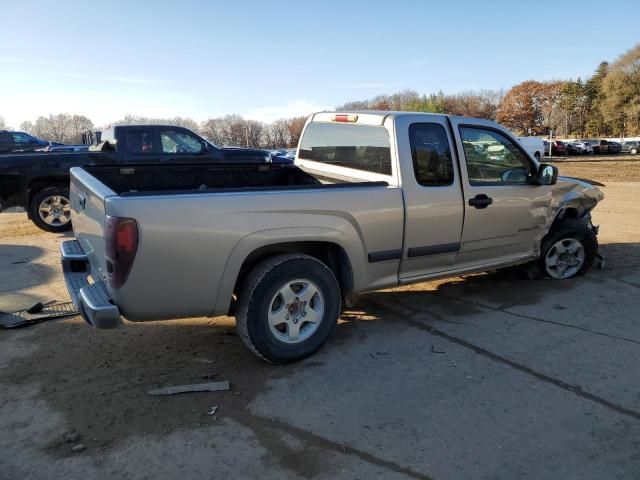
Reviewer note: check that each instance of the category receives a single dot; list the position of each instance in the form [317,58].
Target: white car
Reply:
[533,145]
[582,147]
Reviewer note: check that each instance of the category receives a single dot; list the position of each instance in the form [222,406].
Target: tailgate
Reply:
[87,196]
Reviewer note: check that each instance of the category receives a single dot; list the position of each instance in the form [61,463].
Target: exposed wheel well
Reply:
[328,253]
[569,212]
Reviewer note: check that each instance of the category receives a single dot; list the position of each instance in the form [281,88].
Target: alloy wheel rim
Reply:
[565,258]
[296,311]
[55,210]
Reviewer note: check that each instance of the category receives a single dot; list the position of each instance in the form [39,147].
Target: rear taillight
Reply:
[121,244]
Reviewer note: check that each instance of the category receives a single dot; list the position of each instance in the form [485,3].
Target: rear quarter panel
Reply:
[192,246]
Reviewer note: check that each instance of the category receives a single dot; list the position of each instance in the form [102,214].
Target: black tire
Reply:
[255,303]
[567,229]
[34,209]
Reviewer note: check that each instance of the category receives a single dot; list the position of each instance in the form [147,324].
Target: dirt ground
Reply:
[481,376]
[602,169]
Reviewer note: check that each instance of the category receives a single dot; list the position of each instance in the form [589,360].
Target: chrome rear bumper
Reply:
[91,298]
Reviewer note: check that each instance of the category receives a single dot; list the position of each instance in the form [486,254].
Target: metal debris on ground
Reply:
[196,387]
[213,410]
[37,312]
[71,437]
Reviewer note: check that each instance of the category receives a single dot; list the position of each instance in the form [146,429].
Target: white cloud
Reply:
[292,109]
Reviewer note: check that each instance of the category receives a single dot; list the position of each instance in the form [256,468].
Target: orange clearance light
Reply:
[346,118]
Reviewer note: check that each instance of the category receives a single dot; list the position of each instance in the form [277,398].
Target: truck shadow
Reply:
[449,300]
[20,269]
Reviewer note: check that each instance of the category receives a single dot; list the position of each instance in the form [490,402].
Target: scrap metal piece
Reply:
[196,387]
[22,318]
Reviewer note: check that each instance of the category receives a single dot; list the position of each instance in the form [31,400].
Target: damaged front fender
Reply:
[572,198]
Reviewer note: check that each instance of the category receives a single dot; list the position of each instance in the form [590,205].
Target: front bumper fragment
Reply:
[91,298]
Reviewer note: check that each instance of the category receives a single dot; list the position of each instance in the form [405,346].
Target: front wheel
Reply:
[568,251]
[288,307]
[633,151]
[50,209]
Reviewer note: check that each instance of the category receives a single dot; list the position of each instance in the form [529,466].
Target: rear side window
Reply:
[140,142]
[362,147]
[431,154]
[19,137]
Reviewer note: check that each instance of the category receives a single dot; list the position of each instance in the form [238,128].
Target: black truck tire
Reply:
[567,251]
[288,307]
[50,209]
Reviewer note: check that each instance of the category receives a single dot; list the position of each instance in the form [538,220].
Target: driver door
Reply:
[505,213]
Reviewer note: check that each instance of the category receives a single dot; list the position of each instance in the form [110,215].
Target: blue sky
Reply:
[271,59]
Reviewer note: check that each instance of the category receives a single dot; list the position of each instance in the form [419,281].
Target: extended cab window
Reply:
[431,154]
[140,142]
[174,141]
[362,147]
[493,159]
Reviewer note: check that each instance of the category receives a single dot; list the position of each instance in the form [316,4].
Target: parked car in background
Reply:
[533,145]
[632,147]
[559,148]
[614,147]
[580,148]
[21,142]
[39,181]
[598,146]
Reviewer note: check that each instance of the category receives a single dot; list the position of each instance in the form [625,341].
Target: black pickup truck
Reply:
[39,182]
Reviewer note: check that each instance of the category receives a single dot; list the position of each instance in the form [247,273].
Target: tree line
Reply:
[605,104]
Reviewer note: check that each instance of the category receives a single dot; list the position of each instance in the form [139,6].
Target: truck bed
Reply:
[196,225]
[166,179]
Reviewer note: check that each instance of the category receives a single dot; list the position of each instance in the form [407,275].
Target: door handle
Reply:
[480,201]
[82,201]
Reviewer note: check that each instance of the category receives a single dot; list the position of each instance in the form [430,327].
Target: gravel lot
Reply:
[481,376]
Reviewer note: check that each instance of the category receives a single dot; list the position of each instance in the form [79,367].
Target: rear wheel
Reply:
[50,209]
[633,151]
[288,307]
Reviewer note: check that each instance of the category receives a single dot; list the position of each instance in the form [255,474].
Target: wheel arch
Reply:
[330,247]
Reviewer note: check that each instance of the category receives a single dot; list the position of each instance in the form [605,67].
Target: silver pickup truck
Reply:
[374,200]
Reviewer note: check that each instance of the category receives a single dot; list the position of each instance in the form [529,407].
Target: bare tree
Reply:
[254,131]
[3,125]
[277,134]
[213,131]
[63,127]
[27,126]
[295,126]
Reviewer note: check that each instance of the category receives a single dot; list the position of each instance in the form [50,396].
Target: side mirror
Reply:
[547,174]
[205,147]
